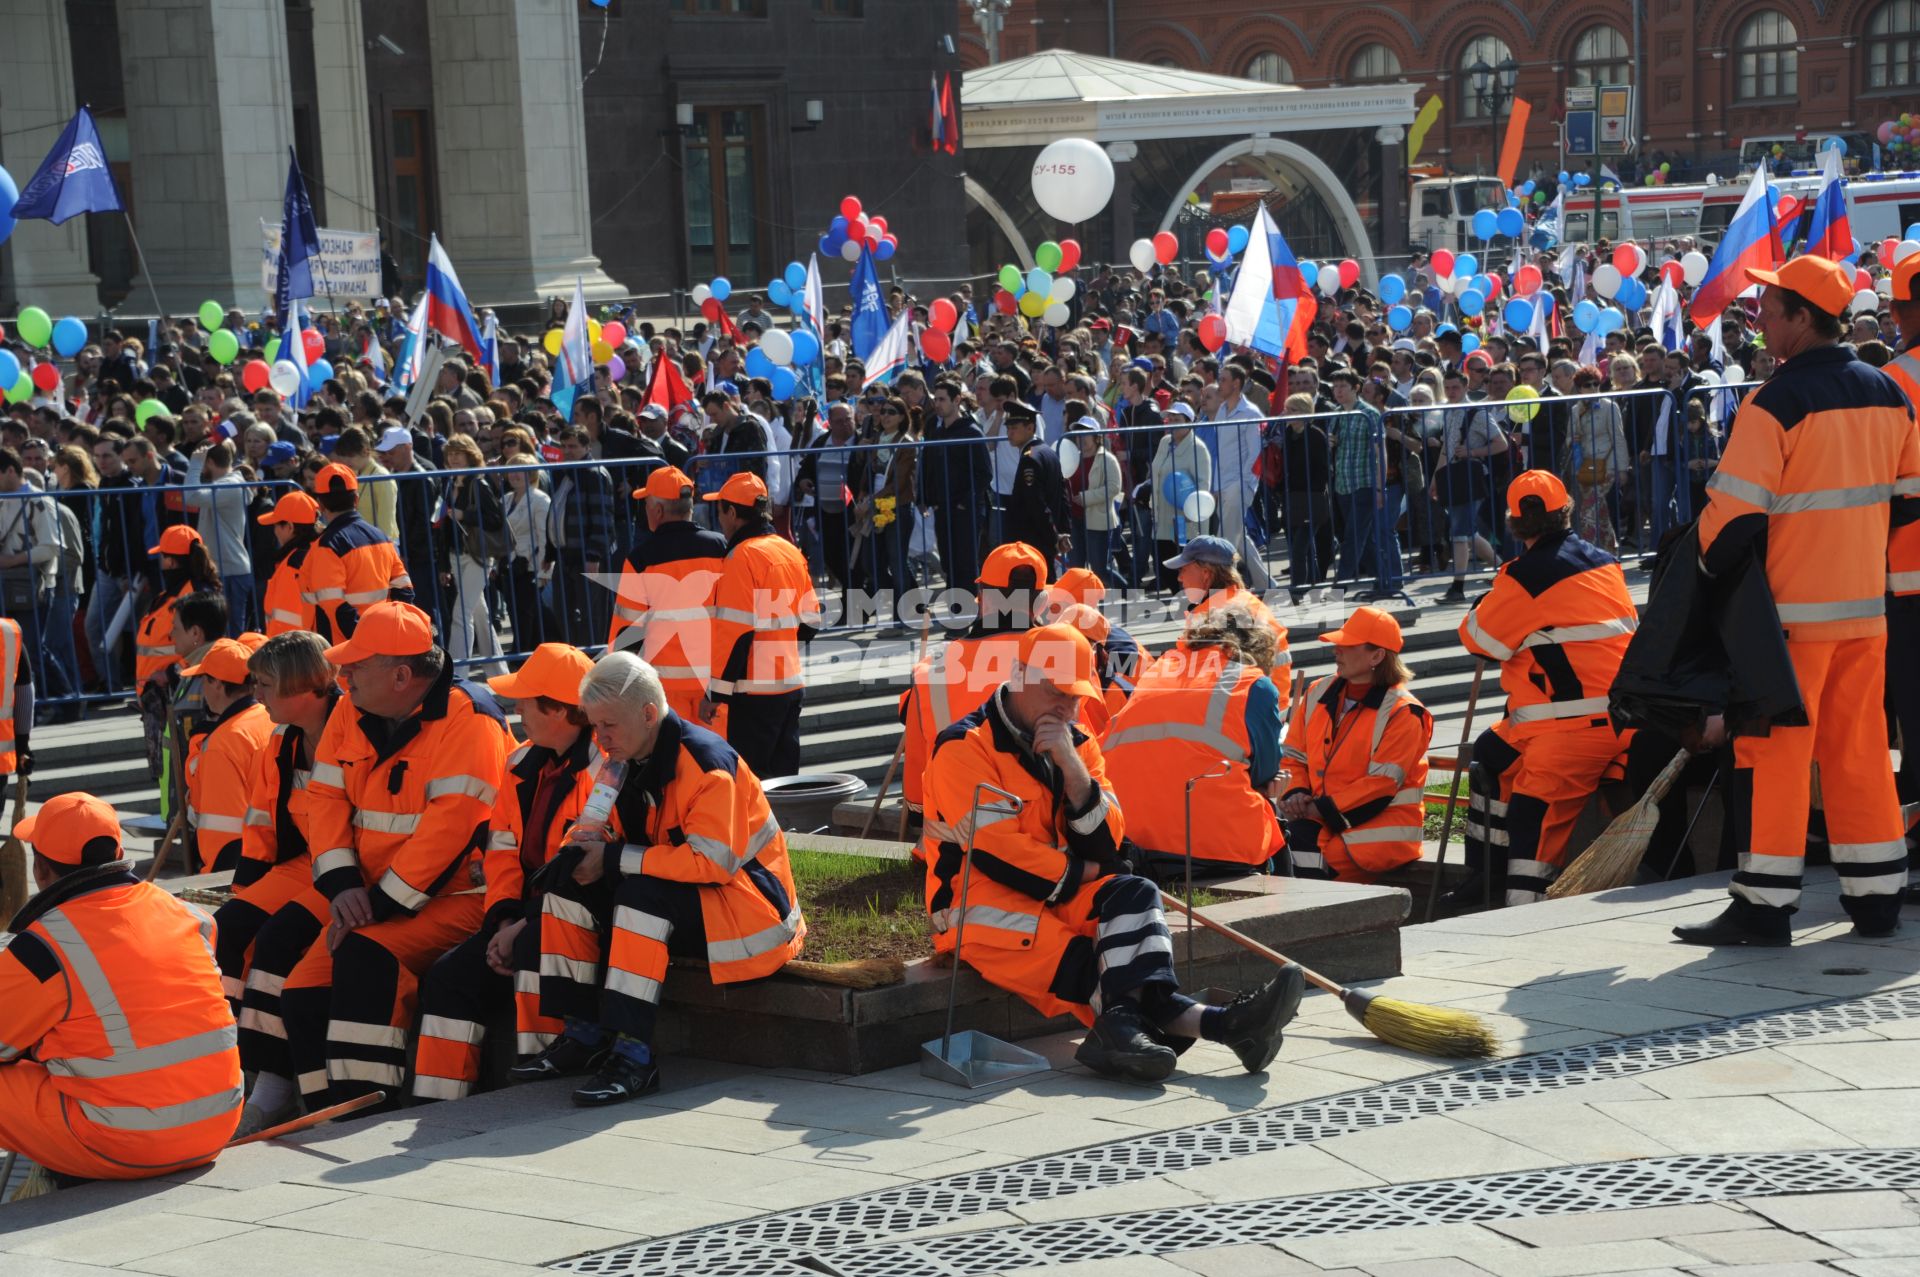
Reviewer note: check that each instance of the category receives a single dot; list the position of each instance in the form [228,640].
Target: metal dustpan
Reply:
[971,1058]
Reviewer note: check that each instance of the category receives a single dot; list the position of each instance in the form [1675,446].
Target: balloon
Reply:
[1069,461]
[851,250]
[273,347]
[1913,230]
[1486,224]
[1047,256]
[1349,273]
[778,293]
[1400,318]
[1494,283]
[254,375]
[936,345]
[1198,507]
[1469,342]
[1166,247]
[1217,242]
[46,378]
[1141,255]
[1056,313]
[551,341]
[758,365]
[1038,281]
[1072,179]
[1011,279]
[1611,320]
[942,315]
[1885,133]
[1632,294]
[795,276]
[1033,305]
[1213,332]
[1511,222]
[318,374]
[888,247]
[34,326]
[1432,298]
[778,345]
[616,369]
[1392,288]
[722,287]
[1694,267]
[784,383]
[1237,237]
[147,409]
[1586,316]
[1628,259]
[1518,314]
[1310,271]
[1861,280]
[211,315]
[1329,279]
[1005,302]
[1673,273]
[1864,301]
[1069,254]
[9,193]
[711,310]
[312,344]
[1583,179]
[1466,266]
[857,228]
[1471,301]
[1062,290]
[1443,262]
[614,334]
[700,295]
[1606,279]
[806,348]
[601,352]
[1905,249]
[829,247]
[9,368]
[69,335]
[1523,411]
[1526,280]
[850,207]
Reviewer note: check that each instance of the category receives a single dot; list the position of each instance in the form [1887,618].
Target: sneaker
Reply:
[1456,593]
[254,1119]
[620,1078]
[1254,1023]
[1121,1044]
[567,1057]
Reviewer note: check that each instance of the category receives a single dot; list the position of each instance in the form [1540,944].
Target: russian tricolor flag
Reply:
[447,310]
[1828,234]
[1271,306]
[1751,242]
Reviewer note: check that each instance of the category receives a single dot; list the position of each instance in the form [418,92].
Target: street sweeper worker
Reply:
[1049,916]
[663,611]
[294,530]
[1209,576]
[1117,654]
[1356,758]
[1558,619]
[678,847]
[224,754]
[117,1057]
[548,780]
[1822,460]
[1903,556]
[353,564]
[1205,713]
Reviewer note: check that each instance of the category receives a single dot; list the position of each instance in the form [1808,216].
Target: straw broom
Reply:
[1413,1026]
[15,866]
[1613,858]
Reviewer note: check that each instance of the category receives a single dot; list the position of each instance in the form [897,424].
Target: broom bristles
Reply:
[1429,1030]
[865,973]
[1613,858]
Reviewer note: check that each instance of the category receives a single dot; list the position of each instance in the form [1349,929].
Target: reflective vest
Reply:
[764,596]
[221,762]
[506,861]
[277,820]
[153,650]
[663,612]
[111,984]
[1815,458]
[350,566]
[1366,770]
[403,808]
[285,601]
[1903,542]
[1021,859]
[9,676]
[1187,714]
[700,817]
[951,681]
[1282,667]
[1559,619]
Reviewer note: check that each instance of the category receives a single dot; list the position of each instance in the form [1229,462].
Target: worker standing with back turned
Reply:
[1822,459]
[1903,561]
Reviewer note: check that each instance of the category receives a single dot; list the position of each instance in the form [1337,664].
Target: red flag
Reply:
[949,117]
[667,387]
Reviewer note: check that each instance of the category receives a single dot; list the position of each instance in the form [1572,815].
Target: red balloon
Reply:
[1165,247]
[46,377]
[1442,263]
[1674,274]
[1070,255]
[878,224]
[1862,282]
[1887,249]
[1213,332]
[1349,273]
[1627,259]
[942,315]
[255,375]
[890,238]
[1217,241]
[711,309]
[935,344]
[1787,210]
[313,343]
[850,207]
[1493,278]
[1526,280]
[856,227]
[1004,301]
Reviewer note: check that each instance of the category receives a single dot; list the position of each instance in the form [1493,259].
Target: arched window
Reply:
[1600,56]
[1766,65]
[1270,67]
[1373,62]
[1487,72]
[1893,45]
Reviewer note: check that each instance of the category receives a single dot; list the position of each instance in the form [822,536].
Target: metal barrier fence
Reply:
[508,557]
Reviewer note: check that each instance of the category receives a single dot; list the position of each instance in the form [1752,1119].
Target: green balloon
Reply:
[223,345]
[35,327]
[22,389]
[1010,279]
[1047,257]
[211,315]
[273,348]
[147,410]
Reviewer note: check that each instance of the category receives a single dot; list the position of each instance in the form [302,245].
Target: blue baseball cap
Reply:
[1204,550]
[280,452]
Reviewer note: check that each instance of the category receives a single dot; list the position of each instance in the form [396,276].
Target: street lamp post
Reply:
[1492,85]
[991,15]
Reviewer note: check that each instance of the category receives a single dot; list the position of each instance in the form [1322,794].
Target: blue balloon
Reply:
[1479,284]
[1176,487]
[1835,143]
[1913,231]
[1586,316]
[9,369]
[885,252]
[1565,177]
[1433,298]
[1444,329]
[1236,238]
[1526,187]
[798,305]
[806,349]
[1632,294]
[319,374]
[838,226]
[1511,222]
[1486,224]
[1038,281]
[827,248]
[1309,271]
[758,363]
[8,194]
[1469,343]
[784,383]
[1583,179]
[1392,288]
[1399,318]
[795,276]
[1471,302]
[722,288]
[69,335]
[1466,266]
[778,293]
[1518,314]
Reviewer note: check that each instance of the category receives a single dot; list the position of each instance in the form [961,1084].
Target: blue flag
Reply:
[869,308]
[299,243]
[73,179]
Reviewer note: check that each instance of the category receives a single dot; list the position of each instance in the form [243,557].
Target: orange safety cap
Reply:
[553,670]
[335,477]
[225,660]
[1063,656]
[178,541]
[294,507]
[1826,284]
[1906,278]
[740,489]
[1087,619]
[1537,483]
[385,629]
[668,483]
[997,572]
[1081,585]
[251,640]
[73,829]
[1367,625]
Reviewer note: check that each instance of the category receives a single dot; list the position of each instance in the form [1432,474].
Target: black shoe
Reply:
[1254,1024]
[1456,593]
[567,1057]
[1471,893]
[1121,1044]
[619,1078]
[1750,926]
[1877,930]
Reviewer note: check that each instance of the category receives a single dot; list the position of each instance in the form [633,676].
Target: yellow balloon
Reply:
[1523,411]
[601,351]
[593,330]
[1033,304]
[552,341]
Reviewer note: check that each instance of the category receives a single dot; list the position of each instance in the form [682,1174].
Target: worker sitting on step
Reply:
[117,1056]
[1210,578]
[1354,792]
[1048,914]
[223,755]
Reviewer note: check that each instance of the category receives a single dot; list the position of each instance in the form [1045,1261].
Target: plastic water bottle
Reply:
[596,816]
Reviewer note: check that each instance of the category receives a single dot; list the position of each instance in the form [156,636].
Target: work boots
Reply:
[1253,1024]
[1121,1043]
[565,1058]
[1741,923]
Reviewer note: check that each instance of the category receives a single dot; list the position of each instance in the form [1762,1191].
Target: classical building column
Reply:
[510,149]
[1123,154]
[1393,190]
[345,131]
[209,125]
[46,265]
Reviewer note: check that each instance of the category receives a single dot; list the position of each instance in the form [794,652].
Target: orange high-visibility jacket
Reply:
[1021,862]
[951,681]
[1186,718]
[221,762]
[403,808]
[351,566]
[1232,595]
[1903,542]
[285,601]
[762,604]
[663,613]
[1820,460]
[1558,618]
[10,669]
[278,815]
[1366,771]
[153,650]
[695,813]
[508,864]
[111,985]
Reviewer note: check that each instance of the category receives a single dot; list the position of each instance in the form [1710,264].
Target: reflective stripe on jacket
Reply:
[505,861]
[1903,542]
[350,567]
[1366,770]
[1233,595]
[951,681]
[153,640]
[221,762]
[284,602]
[764,597]
[663,611]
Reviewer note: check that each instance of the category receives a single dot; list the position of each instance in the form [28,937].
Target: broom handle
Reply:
[899,749]
[20,798]
[1664,781]
[1453,788]
[1251,945]
[166,841]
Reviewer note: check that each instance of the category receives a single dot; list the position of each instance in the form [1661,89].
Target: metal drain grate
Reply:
[775,1239]
[1573,1190]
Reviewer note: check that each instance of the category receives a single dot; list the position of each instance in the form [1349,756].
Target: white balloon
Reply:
[777,345]
[700,294]
[1069,457]
[852,249]
[1329,280]
[1141,255]
[1884,286]
[1063,290]
[1693,268]
[1866,300]
[1056,313]
[284,378]
[1446,284]
[1606,279]
[1072,179]
[1199,506]
[1904,249]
